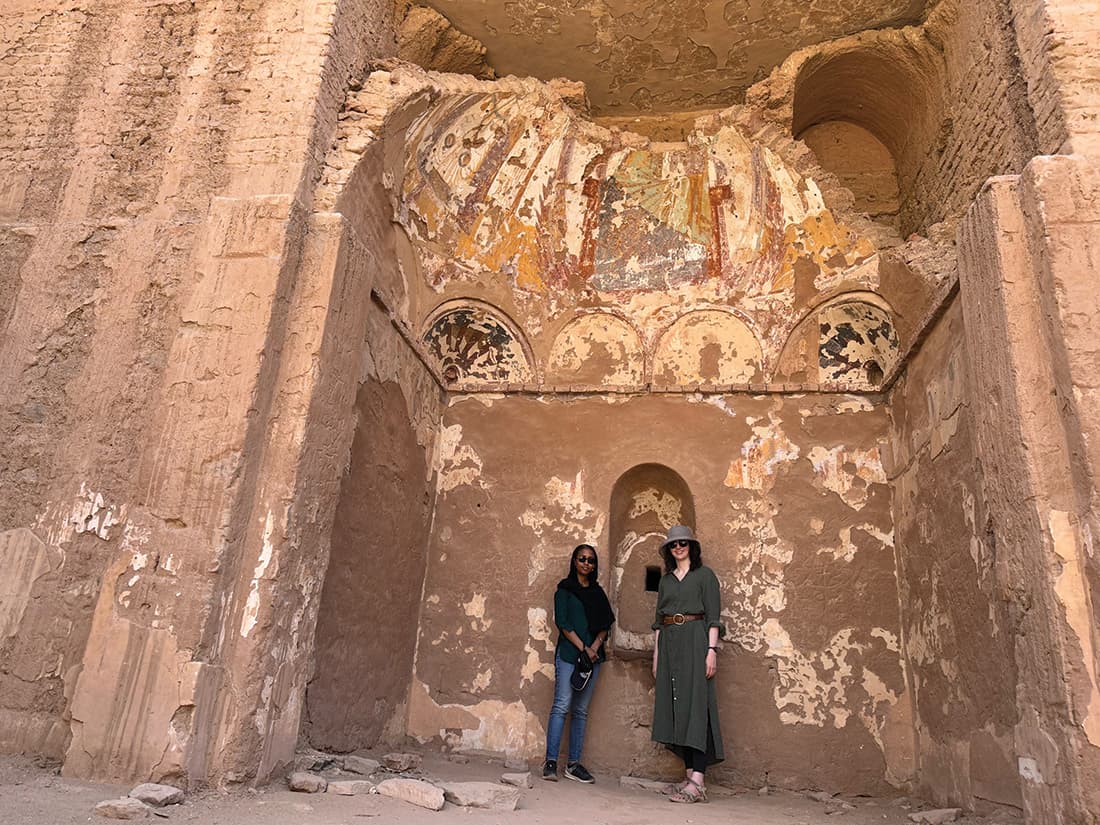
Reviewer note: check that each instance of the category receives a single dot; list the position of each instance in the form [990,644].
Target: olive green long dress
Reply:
[685,710]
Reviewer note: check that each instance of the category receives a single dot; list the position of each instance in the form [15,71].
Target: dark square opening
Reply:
[652,578]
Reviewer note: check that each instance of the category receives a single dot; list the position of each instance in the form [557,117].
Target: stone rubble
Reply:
[316,761]
[349,787]
[481,795]
[124,808]
[401,762]
[413,791]
[306,782]
[936,816]
[157,795]
[361,765]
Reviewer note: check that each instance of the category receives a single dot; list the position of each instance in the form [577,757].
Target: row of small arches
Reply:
[849,340]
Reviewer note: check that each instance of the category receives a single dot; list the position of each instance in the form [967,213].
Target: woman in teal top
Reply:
[685,660]
[583,616]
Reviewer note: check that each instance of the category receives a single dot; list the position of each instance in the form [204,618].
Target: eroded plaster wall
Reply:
[156,161]
[958,631]
[793,507]
[1028,253]
[370,603]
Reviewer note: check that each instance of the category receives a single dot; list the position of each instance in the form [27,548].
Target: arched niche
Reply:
[597,349]
[708,346]
[861,162]
[889,88]
[645,502]
[473,343]
[848,340]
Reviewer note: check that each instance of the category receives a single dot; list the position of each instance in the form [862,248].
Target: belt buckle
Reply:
[678,618]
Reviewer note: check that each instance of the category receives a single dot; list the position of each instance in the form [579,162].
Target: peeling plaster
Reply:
[456,464]
[489,725]
[564,512]
[90,513]
[831,466]
[814,689]
[665,506]
[24,560]
[1073,593]
[846,550]
[761,456]
[475,609]
[538,633]
[252,604]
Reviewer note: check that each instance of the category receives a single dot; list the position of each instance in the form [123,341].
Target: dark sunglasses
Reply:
[680,543]
[586,559]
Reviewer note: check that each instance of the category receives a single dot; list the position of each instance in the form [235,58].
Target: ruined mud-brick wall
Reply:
[156,164]
[370,603]
[1058,55]
[1028,252]
[792,506]
[957,632]
[946,98]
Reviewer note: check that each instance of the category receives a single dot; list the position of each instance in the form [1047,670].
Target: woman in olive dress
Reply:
[685,659]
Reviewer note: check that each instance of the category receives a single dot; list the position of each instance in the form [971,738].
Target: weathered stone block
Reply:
[520,780]
[481,795]
[413,791]
[936,816]
[349,787]
[401,762]
[157,795]
[315,761]
[124,808]
[306,782]
[361,765]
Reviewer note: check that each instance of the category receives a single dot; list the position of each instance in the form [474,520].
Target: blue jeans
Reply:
[564,699]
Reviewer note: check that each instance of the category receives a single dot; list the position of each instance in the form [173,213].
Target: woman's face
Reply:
[680,549]
[585,562]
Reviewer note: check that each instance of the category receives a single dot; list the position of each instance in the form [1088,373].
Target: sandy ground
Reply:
[31,795]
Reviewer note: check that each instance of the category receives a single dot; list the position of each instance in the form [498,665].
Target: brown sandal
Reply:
[674,787]
[688,797]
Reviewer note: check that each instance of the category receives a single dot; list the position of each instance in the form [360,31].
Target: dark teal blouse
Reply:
[569,615]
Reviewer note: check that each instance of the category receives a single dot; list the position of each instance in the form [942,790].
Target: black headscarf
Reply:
[597,608]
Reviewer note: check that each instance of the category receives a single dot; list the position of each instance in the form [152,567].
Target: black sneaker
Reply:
[578,773]
[550,771]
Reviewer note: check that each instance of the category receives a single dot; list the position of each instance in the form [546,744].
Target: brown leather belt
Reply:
[680,618]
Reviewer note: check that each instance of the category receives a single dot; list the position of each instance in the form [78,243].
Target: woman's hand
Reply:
[712,662]
[593,653]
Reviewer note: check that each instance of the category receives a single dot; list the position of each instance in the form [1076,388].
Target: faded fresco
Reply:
[514,201]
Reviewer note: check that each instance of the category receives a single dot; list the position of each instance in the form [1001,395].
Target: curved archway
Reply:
[645,501]
[708,346]
[849,339]
[474,342]
[864,84]
[598,348]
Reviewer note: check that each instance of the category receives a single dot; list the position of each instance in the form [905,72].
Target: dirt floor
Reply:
[39,796]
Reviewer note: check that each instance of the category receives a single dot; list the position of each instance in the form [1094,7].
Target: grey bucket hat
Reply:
[679,532]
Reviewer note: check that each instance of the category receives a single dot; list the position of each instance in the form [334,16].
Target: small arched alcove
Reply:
[872,113]
[645,501]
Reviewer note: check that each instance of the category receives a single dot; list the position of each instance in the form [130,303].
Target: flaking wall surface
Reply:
[958,632]
[792,505]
